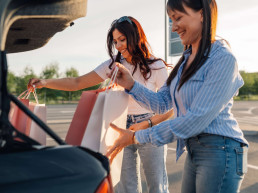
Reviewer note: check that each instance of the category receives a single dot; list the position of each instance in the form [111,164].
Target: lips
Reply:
[181,34]
[123,51]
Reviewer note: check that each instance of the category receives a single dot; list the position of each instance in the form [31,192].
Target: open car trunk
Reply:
[25,165]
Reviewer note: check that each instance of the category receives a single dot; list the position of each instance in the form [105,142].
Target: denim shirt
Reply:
[202,105]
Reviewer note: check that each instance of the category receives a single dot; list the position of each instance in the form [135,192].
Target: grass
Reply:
[246,98]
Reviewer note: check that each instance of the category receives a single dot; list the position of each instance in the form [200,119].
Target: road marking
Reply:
[59,121]
[249,165]
[66,111]
[172,149]
[253,167]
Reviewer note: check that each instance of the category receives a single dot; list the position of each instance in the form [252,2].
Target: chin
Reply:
[125,56]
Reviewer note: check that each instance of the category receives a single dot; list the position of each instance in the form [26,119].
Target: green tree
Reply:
[247,89]
[256,84]
[22,81]
[11,83]
[50,71]
[70,95]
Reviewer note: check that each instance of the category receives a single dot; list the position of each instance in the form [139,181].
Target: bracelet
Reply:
[150,122]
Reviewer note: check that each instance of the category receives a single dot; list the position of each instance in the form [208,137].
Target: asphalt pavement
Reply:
[246,112]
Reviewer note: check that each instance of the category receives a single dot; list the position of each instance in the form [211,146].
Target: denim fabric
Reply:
[214,164]
[153,161]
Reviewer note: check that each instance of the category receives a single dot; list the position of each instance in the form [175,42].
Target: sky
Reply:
[83,46]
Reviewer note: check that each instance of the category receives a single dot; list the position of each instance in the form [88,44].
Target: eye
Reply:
[122,40]
[177,19]
[115,42]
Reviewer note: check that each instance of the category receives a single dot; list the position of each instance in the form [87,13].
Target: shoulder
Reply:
[157,65]
[221,51]
[221,60]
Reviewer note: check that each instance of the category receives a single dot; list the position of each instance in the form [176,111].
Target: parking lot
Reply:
[246,112]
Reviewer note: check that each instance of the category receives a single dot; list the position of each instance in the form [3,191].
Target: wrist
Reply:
[135,141]
[44,82]
[131,86]
[150,123]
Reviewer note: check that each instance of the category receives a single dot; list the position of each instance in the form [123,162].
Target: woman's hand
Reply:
[139,126]
[124,77]
[125,138]
[38,83]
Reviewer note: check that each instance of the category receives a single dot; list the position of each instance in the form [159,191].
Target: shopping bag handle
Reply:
[112,79]
[26,94]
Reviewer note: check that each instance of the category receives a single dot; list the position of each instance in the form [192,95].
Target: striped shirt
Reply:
[202,105]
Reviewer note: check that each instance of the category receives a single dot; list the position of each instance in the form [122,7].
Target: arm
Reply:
[68,84]
[220,85]
[156,119]
[159,102]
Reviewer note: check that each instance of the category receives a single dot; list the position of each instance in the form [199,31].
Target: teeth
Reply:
[182,33]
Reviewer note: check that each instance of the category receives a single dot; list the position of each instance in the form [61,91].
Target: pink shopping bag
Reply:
[23,123]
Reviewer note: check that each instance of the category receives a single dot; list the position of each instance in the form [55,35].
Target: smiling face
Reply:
[188,25]
[120,43]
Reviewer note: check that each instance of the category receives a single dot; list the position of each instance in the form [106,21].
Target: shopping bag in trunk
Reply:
[23,123]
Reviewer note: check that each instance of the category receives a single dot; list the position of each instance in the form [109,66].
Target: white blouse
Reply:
[159,75]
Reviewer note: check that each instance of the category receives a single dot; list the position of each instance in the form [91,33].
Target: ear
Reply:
[201,15]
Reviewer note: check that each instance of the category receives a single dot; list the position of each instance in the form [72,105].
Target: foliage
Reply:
[49,72]
[18,84]
[70,95]
[250,85]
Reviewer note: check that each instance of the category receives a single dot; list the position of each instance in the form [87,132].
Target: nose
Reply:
[174,27]
[118,45]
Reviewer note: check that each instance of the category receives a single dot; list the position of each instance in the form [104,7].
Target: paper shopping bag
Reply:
[81,117]
[110,107]
[24,124]
[33,129]
[18,118]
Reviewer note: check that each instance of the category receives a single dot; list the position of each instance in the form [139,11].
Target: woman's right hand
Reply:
[124,77]
[38,83]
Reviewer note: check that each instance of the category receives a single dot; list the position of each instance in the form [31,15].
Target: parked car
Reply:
[25,165]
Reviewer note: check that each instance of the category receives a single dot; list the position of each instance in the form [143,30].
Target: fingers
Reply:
[113,152]
[33,81]
[112,157]
[115,127]
[110,150]
[132,128]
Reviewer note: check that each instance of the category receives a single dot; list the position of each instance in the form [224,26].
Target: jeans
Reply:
[153,161]
[214,164]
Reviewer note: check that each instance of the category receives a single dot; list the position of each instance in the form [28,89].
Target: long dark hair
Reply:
[209,8]
[137,45]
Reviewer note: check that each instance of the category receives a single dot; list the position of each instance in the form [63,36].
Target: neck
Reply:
[195,48]
[129,59]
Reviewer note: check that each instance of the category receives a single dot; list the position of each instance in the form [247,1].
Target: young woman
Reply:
[133,52]
[200,88]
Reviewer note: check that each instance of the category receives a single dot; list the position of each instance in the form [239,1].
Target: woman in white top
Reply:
[133,51]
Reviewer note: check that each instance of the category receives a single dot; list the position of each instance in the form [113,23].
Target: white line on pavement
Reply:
[59,121]
[172,149]
[250,166]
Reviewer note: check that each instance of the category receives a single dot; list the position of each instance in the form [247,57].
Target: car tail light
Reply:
[105,186]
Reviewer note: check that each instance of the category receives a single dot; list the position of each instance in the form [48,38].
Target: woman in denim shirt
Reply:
[200,89]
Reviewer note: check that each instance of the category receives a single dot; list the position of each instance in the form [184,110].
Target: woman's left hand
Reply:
[125,138]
